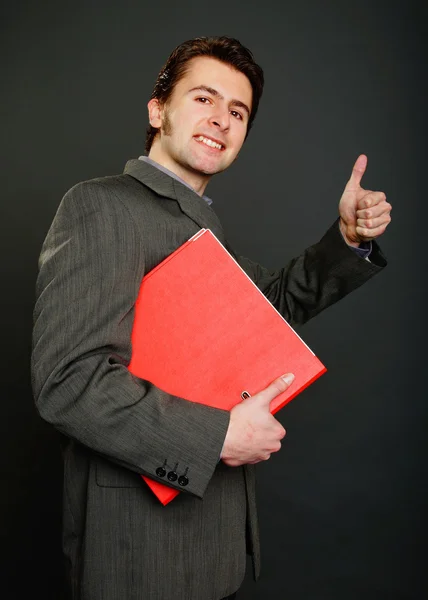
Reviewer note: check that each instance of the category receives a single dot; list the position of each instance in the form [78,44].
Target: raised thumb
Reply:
[358,171]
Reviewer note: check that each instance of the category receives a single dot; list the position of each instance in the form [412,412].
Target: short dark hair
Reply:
[227,50]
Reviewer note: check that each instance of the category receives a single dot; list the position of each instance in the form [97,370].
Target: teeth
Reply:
[209,142]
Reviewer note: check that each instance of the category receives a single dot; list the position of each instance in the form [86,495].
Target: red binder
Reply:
[203,331]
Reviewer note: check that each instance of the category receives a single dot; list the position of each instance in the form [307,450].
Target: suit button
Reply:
[160,472]
[172,476]
[183,480]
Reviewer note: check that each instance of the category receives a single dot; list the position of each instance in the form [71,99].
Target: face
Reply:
[204,123]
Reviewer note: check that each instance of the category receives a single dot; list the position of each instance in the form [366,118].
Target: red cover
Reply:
[203,331]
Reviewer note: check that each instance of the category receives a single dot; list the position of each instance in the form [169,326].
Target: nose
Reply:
[221,119]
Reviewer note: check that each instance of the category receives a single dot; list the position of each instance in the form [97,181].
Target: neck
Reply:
[197,181]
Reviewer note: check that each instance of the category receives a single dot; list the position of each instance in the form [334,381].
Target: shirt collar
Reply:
[171,174]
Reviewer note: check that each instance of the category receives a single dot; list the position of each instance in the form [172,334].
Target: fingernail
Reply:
[288,378]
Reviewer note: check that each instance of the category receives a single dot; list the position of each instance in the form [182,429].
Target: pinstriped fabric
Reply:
[119,542]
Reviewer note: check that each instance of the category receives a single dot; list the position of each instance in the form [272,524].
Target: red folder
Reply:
[203,331]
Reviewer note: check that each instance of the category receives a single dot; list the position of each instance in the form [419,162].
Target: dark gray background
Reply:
[343,506]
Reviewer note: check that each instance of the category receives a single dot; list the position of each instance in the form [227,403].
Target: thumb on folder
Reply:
[253,433]
[274,389]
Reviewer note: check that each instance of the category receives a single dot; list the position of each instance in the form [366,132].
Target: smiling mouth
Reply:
[209,142]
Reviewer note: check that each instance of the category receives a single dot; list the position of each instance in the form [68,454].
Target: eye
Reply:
[236,114]
[203,100]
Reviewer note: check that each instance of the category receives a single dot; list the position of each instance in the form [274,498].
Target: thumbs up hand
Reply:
[253,433]
[364,215]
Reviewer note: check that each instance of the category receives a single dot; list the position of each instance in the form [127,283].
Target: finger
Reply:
[277,387]
[369,234]
[373,223]
[374,211]
[260,458]
[282,432]
[358,171]
[370,199]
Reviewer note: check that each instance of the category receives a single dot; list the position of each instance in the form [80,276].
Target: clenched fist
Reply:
[364,215]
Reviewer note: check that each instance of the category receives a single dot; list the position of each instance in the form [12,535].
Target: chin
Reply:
[209,172]
[207,169]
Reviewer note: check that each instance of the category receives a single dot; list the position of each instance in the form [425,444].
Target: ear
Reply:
[155,113]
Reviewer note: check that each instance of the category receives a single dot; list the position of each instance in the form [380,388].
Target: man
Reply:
[118,540]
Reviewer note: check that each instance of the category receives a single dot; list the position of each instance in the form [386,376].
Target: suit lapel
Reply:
[190,203]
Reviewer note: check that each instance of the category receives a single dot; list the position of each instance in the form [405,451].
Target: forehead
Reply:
[229,82]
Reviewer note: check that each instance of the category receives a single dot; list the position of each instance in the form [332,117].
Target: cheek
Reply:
[238,140]
[194,115]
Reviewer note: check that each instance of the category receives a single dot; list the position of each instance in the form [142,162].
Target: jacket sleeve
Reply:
[323,274]
[91,266]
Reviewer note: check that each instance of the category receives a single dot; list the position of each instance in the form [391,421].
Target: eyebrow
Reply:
[213,92]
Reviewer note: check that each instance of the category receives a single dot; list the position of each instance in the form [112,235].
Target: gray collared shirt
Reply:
[171,174]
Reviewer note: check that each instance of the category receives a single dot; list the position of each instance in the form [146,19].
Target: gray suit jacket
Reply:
[119,541]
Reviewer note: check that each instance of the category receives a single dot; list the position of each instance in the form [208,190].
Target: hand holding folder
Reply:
[203,331]
[253,432]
